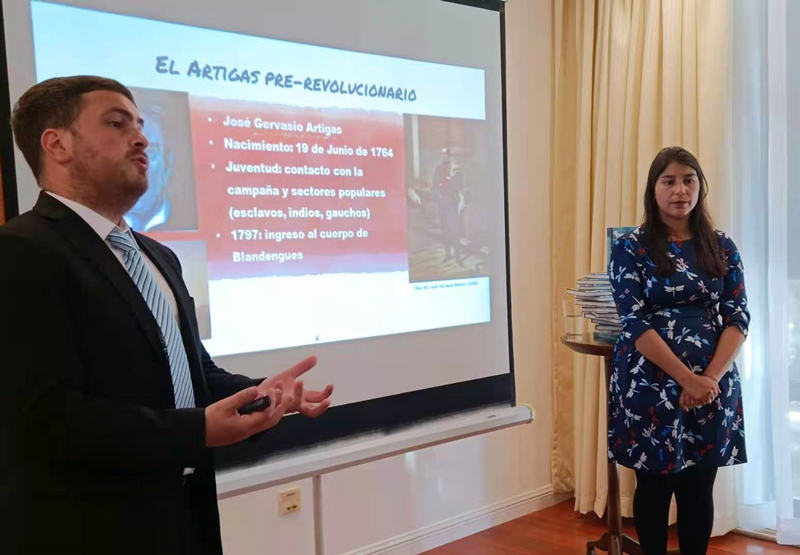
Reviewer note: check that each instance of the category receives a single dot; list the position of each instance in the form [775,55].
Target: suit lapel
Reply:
[166,268]
[91,248]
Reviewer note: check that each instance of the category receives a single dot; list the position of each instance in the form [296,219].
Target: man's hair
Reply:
[54,103]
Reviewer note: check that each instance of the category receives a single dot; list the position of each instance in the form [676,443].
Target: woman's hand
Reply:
[688,403]
[698,390]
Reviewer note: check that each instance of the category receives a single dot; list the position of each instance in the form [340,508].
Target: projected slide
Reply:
[312,194]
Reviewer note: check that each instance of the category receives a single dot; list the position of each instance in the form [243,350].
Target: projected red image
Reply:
[291,191]
[446,188]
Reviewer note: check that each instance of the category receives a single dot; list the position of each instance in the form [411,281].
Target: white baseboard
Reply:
[465,524]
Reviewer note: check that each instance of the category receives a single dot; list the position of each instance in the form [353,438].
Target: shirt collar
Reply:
[100,224]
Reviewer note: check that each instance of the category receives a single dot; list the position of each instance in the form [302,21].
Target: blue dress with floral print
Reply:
[647,430]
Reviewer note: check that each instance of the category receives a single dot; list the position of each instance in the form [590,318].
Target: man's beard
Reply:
[108,184]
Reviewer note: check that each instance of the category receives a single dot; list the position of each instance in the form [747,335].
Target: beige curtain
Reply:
[629,77]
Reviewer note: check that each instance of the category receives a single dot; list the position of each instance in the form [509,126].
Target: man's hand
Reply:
[224,424]
[305,401]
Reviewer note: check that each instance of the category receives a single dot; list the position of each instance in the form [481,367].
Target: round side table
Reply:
[613,540]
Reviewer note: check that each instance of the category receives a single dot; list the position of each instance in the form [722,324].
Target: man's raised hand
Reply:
[305,401]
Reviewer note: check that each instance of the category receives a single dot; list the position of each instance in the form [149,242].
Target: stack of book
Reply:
[593,295]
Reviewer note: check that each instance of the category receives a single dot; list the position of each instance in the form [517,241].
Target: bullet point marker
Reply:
[211,142]
[218,235]
[213,166]
[209,120]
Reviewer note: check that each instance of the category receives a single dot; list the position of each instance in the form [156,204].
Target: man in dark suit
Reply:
[109,401]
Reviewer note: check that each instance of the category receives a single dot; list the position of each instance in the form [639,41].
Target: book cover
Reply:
[612,234]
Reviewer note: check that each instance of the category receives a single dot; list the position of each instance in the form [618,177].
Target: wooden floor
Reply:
[560,530]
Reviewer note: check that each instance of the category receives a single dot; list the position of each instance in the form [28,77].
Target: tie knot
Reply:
[122,240]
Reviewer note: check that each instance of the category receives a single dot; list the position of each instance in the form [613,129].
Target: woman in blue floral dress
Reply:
[675,404]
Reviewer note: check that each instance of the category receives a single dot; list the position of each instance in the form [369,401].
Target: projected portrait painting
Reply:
[446,185]
[169,203]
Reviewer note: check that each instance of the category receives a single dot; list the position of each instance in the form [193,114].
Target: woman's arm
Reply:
[735,319]
[727,349]
[734,312]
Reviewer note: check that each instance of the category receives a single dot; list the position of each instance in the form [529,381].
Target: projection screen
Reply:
[331,176]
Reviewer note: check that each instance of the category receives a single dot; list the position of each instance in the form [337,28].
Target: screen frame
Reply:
[8,172]
[386,414]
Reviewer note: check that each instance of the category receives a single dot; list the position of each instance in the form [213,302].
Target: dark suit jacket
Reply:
[91,447]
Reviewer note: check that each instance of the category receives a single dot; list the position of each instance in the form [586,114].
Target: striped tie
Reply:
[170,332]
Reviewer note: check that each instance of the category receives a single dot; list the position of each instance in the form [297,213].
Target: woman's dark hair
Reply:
[655,233]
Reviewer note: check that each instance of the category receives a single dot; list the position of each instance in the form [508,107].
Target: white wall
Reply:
[416,501]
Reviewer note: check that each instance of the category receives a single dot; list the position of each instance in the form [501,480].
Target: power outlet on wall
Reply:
[289,501]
